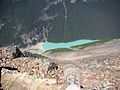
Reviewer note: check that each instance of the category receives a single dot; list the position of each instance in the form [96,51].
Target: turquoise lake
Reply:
[51,45]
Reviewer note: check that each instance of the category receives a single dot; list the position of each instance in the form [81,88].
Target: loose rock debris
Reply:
[99,73]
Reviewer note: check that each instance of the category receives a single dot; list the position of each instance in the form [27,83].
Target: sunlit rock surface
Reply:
[100,72]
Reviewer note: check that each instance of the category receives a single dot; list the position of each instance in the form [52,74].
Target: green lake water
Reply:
[51,45]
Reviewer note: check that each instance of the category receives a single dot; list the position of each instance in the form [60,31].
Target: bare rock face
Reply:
[94,73]
[101,73]
[22,81]
[5,52]
[31,75]
[28,73]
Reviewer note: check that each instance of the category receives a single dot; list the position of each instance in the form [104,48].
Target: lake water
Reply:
[51,45]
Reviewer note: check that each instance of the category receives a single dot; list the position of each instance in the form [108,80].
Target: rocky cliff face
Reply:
[24,22]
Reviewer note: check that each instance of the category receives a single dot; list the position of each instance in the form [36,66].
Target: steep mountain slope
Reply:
[25,22]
